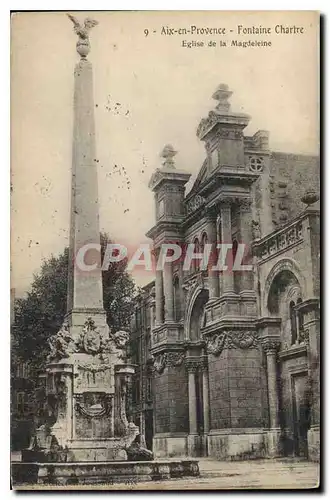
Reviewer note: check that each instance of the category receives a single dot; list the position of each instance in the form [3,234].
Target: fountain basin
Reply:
[85,473]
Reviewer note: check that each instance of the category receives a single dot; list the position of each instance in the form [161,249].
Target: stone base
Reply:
[313,437]
[273,443]
[81,450]
[65,474]
[237,444]
[170,445]
[85,450]
[194,445]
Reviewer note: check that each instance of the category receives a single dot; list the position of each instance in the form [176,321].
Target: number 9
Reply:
[146,32]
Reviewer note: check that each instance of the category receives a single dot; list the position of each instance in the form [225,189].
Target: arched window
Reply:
[293,323]
[300,317]
[204,242]
[177,302]
[195,262]
[234,250]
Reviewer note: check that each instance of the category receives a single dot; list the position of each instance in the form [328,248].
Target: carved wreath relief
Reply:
[232,339]
[168,359]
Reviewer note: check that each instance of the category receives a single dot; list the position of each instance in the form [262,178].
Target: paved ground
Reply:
[254,474]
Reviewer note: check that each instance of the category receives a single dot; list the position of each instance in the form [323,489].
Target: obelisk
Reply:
[87,368]
[85,297]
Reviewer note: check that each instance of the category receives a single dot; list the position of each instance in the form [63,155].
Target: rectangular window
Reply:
[20,403]
[22,370]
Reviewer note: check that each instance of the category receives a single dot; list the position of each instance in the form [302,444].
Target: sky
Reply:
[148,91]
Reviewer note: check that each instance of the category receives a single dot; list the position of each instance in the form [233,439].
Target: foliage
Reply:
[40,314]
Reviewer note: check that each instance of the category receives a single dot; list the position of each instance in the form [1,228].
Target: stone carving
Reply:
[304,336]
[193,364]
[206,124]
[256,233]
[225,133]
[168,154]
[137,452]
[160,363]
[270,345]
[117,344]
[310,197]
[93,405]
[167,359]
[94,368]
[83,45]
[91,338]
[232,339]
[256,163]
[174,358]
[194,203]
[121,339]
[62,345]
[279,242]
[222,94]
[44,447]
[216,344]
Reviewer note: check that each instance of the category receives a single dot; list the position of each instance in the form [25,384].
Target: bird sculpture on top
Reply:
[83,45]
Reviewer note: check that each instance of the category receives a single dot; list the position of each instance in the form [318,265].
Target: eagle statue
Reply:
[83,30]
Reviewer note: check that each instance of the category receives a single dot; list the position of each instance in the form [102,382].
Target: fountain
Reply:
[87,438]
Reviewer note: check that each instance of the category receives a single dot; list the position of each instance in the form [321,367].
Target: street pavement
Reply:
[216,475]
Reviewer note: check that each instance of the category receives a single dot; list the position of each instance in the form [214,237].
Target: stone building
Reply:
[141,408]
[235,353]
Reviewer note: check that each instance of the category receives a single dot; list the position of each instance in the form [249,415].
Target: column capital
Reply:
[245,203]
[226,203]
[212,214]
[204,364]
[192,364]
[270,344]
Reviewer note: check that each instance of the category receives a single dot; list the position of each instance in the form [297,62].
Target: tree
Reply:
[41,313]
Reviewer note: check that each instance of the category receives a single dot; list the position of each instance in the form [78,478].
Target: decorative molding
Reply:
[194,203]
[101,406]
[256,163]
[284,264]
[167,359]
[206,124]
[94,368]
[279,242]
[193,364]
[174,358]
[232,339]
[226,133]
[270,345]
[293,351]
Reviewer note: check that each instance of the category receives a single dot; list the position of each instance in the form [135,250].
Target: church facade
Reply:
[233,356]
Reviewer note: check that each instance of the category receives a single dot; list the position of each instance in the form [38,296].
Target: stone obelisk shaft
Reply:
[84,287]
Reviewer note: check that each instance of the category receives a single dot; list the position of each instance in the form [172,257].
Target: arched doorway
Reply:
[195,324]
[197,315]
[285,293]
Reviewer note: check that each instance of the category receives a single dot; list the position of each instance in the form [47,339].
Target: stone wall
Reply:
[238,390]
[171,400]
[290,176]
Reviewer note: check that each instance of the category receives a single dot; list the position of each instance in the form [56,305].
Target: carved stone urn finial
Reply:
[310,197]
[168,154]
[222,95]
